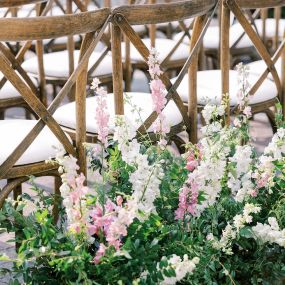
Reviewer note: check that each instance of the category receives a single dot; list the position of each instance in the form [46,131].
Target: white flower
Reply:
[270,233]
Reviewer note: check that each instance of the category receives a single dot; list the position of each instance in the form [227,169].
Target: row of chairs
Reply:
[26,144]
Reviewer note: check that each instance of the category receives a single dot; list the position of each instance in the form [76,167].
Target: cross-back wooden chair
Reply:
[58,65]
[123,18]
[240,44]
[213,84]
[9,95]
[265,93]
[271,31]
[26,144]
[172,54]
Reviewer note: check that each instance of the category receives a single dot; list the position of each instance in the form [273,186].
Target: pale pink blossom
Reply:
[100,252]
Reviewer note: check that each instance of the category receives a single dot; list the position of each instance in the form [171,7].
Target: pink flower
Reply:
[188,200]
[102,115]
[247,111]
[191,165]
[119,200]
[100,253]
[92,229]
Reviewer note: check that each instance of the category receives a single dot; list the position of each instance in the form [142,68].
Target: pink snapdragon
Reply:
[194,156]
[188,200]
[111,221]
[158,93]
[102,115]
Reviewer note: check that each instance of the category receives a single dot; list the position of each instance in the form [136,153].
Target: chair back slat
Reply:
[16,3]
[254,4]
[165,12]
[39,28]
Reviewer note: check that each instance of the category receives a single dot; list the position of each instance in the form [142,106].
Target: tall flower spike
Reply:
[102,115]
[158,93]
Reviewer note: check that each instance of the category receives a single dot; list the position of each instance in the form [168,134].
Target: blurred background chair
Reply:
[124,18]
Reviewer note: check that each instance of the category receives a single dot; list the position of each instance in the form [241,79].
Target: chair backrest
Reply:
[237,7]
[28,29]
[126,16]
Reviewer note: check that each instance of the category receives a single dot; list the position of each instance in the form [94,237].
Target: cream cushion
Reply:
[258,67]
[56,64]
[65,115]
[209,88]
[270,27]
[9,91]
[164,46]
[14,131]
[211,38]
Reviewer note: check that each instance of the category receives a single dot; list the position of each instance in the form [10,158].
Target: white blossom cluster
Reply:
[181,266]
[211,112]
[270,232]
[231,231]
[211,170]
[276,147]
[146,178]
[240,174]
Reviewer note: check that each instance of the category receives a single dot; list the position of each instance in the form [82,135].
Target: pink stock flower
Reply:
[119,200]
[195,155]
[158,93]
[188,200]
[100,253]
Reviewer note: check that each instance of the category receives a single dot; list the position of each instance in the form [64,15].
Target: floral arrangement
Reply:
[215,215]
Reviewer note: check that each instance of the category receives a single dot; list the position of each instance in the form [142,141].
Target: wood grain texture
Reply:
[15,3]
[38,28]
[254,4]
[161,13]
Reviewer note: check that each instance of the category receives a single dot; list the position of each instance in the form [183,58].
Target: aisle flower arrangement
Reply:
[215,215]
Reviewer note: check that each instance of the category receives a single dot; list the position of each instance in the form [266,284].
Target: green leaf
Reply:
[246,232]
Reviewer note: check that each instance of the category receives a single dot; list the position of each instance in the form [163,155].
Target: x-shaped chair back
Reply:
[238,7]
[126,16]
[92,24]
[16,60]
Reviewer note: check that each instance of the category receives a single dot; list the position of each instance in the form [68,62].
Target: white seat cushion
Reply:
[164,46]
[14,131]
[61,40]
[65,115]
[9,91]
[270,27]
[209,88]
[56,64]
[211,38]
[258,67]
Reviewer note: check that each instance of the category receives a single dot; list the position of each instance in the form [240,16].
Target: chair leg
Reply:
[2,115]
[55,211]
[271,117]
[179,142]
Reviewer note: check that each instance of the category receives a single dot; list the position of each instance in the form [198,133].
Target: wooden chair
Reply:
[9,95]
[26,144]
[58,65]
[271,31]
[172,54]
[213,84]
[123,19]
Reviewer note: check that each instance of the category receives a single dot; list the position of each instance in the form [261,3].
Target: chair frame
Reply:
[87,23]
[236,7]
[18,59]
[126,16]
